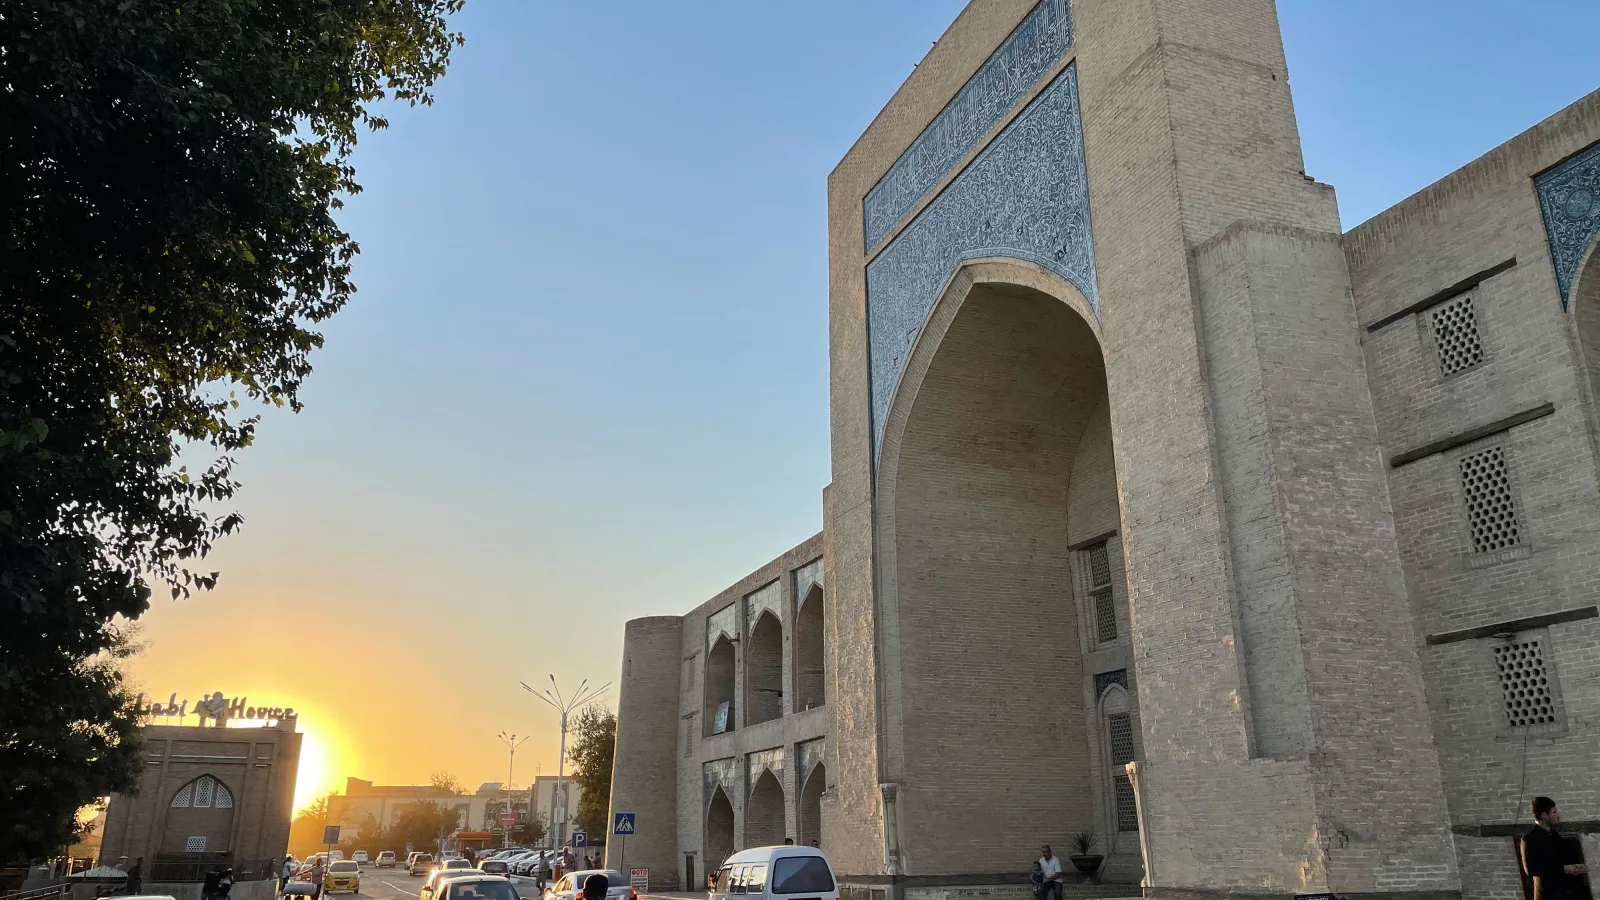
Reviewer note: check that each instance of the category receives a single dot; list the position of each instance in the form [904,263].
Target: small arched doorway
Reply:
[810,807]
[809,690]
[764,671]
[763,820]
[719,685]
[719,830]
[199,818]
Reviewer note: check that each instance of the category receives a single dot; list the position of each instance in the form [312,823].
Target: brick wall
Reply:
[644,775]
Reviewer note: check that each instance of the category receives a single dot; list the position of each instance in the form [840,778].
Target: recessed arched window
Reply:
[204,792]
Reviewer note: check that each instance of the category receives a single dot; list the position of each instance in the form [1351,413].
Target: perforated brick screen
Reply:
[1121,727]
[1127,806]
[1491,514]
[1526,684]
[1455,335]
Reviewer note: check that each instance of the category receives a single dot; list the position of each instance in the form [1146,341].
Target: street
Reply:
[395,884]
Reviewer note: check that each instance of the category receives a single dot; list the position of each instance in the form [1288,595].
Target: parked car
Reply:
[774,872]
[477,887]
[570,886]
[343,875]
[440,875]
[359,857]
[386,859]
[420,863]
[528,863]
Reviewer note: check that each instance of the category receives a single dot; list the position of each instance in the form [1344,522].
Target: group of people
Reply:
[1551,860]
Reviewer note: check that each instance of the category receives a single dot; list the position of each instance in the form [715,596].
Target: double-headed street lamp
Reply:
[563,705]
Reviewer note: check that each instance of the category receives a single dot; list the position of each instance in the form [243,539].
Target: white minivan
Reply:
[776,873]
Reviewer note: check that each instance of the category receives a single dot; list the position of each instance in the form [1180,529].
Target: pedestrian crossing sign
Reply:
[623,824]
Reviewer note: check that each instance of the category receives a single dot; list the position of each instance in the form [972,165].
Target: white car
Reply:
[439,876]
[386,859]
[477,887]
[360,857]
[772,873]
[570,886]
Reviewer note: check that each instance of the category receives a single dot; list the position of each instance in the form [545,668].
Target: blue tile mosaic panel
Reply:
[768,598]
[1569,197]
[811,755]
[760,762]
[1107,679]
[721,624]
[720,773]
[1006,77]
[804,578]
[1026,197]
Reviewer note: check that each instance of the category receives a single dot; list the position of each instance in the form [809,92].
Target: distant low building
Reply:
[477,813]
[208,794]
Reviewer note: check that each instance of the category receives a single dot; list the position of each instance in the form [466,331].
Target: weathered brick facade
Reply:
[1139,457]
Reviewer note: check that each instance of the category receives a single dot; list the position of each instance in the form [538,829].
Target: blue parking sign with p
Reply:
[580,839]
[622,824]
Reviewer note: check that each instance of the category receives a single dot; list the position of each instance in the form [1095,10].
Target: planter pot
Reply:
[1087,865]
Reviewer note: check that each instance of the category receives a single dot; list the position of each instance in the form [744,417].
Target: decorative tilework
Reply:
[1026,196]
[1107,679]
[762,761]
[1006,77]
[804,577]
[811,754]
[720,773]
[768,598]
[722,622]
[1569,197]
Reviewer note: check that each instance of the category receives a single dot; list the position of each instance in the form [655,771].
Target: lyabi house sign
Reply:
[216,707]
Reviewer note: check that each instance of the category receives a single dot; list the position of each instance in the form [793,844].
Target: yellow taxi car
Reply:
[343,875]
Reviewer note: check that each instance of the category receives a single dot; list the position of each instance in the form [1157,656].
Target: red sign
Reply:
[508,819]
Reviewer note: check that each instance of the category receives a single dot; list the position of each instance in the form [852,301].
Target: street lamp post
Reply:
[511,742]
[565,706]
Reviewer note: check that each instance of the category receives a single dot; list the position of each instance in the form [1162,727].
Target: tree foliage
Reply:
[305,829]
[592,752]
[531,831]
[446,782]
[169,176]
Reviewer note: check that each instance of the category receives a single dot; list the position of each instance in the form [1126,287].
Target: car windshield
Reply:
[480,890]
[801,875]
[457,864]
[344,867]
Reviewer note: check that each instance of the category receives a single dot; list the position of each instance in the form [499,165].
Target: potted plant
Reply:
[1083,855]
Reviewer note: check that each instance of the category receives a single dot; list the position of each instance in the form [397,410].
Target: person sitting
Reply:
[1050,871]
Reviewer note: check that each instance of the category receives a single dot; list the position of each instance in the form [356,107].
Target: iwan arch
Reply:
[1140,458]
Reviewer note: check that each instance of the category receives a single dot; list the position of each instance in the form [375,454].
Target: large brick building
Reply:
[1140,458]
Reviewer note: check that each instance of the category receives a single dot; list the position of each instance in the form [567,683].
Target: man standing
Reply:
[1050,868]
[316,877]
[1549,858]
[136,876]
[285,874]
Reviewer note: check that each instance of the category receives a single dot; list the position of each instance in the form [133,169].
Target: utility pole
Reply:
[552,696]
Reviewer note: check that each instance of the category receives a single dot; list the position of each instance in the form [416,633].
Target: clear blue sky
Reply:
[585,378]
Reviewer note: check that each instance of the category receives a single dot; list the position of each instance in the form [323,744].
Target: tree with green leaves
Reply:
[169,177]
[592,752]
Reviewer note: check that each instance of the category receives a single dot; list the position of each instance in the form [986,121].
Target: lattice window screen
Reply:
[224,799]
[1127,806]
[202,792]
[195,843]
[1491,513]
[1525,683]
[688,737]
[1105,607]
[1455,335]
[182,798]
[1121,727]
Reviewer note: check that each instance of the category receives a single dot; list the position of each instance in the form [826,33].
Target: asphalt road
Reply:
[395,884]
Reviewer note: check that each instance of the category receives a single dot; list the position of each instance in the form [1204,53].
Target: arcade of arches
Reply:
[1162,505]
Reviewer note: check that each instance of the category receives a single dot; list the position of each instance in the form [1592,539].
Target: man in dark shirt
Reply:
[1548,859]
